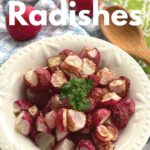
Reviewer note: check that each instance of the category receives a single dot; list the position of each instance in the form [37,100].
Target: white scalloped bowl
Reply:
[133,137]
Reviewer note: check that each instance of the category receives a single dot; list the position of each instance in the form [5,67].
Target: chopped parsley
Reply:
[76,91]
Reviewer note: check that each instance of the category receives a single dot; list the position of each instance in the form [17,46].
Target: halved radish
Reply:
[106,76]
[60,135]
[76,120]
[110,99]
[45,141]
[120,86]
[95,79]
[106,146]
[41,125]
[61,120]
[92,54]
[88,67]
[30,78]
[72,63]
[50,119]
[85,145]
[58,79]
[38,79]
[33,110]
[65,53]
[24,123]
[103,134]
[20,105]
[100,116]
[54,63]
[65,145]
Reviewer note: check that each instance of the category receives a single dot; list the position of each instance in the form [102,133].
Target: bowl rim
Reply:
[144,135]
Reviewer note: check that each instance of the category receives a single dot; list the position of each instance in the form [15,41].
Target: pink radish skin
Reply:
[45,141]
[85,145]
[30,78]
[97,94]
[95,79]
[41,125]
[65,145]
[50,119]
[100,116]
[65,53]
[24,123]
[20,105]
[60,135]
[76,120]
[44,77]
[38,79]
[61,120]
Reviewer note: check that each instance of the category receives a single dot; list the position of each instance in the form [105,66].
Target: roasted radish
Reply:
[65,144]
[110,99]
[24,123]
[60,135]
[106,76]
[88,67]
[45,141]
[65,53]
[61,120]
[103,134]
[76,120]
[41,125]
[85,145]
[100,116]
[20,105]
[73,64]
[58,79]
[54,63]
[91,53]
[33,110]
[50,119]
[120,86]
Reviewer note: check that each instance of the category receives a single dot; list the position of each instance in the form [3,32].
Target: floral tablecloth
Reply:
[8,46]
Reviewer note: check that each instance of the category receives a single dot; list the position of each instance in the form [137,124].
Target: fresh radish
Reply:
[23,32]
